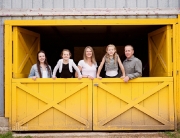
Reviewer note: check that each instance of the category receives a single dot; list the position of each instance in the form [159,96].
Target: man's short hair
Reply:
[130,46]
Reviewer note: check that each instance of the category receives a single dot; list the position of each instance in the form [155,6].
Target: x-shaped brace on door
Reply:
[51,103]
[134,103]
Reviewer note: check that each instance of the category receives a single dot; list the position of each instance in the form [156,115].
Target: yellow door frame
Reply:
[8,43]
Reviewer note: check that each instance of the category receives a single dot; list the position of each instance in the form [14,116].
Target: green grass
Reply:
[10,135]
[175,134]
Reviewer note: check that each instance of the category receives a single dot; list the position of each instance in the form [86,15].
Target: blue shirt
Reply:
[34,71]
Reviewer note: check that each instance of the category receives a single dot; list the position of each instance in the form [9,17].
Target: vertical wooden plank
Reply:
[68,4]
[32,102]
[113,101]
[89,4]
[174,3]
[171,105]
[95,105]
[141,3]
[169,42]
[59,117]
[110,3]
[152,3]
[47,3]
[79,4]
[132,4]
[90,104]
[2,67]
[126,90]
[21,104]
[151,103]
[163,3]
[7,4]
[73,102]
[84,100]
[1,4]
[175,54]
[14,107]
[59,4]
[137,116]
[164,105]
[46,119]
[101,104]
[27,4]
[8,69]
[37,4]
[16,4]
[121,4]
[99,3]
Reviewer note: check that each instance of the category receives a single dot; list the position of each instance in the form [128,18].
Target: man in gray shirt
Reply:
[132,65]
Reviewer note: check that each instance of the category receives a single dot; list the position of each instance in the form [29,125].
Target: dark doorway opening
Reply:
[56,38]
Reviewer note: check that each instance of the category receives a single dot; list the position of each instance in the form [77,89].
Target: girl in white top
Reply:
[65,66]
[88,65]
[111,60]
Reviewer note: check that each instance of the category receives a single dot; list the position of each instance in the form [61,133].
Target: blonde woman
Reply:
[88,65]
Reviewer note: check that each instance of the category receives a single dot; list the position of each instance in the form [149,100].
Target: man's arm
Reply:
[137,70]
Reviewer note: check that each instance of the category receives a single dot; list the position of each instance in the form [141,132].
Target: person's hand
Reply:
[126,79]
[90,77]
[34,78]
[79,77]
[122,77]
[54,77]
[99,77]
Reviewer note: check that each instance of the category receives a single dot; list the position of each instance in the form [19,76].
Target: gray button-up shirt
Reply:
[133,67]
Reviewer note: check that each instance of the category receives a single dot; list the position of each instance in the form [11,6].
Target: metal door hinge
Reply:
[177,72]
[95,84]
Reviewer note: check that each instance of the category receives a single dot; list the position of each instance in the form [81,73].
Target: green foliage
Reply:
[173,134]
[10,135]
[6,135]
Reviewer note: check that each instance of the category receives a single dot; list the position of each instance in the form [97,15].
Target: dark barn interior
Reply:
[75,38]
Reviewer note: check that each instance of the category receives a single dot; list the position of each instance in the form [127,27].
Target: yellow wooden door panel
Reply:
[160,56]
[134,105]
[26,44]
[63,104]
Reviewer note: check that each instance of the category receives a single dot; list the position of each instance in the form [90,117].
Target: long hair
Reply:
[45,62]
[115,55]
[93,60]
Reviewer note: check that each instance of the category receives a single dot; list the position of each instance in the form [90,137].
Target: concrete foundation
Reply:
[4,124]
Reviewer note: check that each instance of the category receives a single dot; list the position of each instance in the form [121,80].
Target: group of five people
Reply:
[87,68]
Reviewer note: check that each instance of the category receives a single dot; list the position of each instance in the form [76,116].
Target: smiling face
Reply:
[66,55]
[88,53]
[129,51]
[111,50]
[41,57]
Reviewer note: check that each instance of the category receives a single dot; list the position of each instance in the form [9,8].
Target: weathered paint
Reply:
[89,12]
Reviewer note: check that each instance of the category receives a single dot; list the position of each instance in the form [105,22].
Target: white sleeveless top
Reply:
[87,69]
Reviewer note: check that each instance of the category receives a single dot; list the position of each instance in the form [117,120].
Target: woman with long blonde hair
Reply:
[88,65]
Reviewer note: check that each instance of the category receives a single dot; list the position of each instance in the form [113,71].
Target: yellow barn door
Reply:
[160,56]
[26,44]
[140,104]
